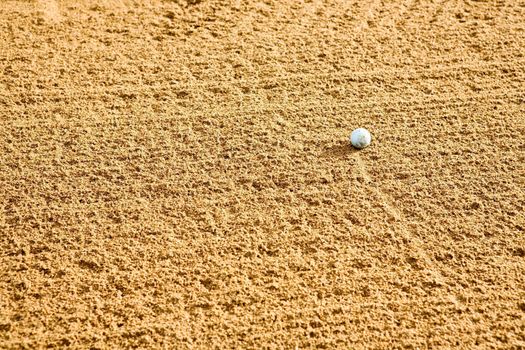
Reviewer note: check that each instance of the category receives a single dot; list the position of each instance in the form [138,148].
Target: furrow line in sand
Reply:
[441,71]
[418,257]
[460,73]
[448,99]
[435,72]
[8,115]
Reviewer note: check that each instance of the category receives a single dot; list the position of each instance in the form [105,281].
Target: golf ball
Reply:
[360,138]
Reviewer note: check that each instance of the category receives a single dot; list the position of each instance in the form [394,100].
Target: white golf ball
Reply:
[360,138]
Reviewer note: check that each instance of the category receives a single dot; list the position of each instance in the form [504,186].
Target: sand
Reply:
[177,174]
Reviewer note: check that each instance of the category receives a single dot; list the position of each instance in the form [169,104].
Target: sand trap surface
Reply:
[177,174]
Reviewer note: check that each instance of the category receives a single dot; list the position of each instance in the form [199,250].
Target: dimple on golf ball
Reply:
[360,138]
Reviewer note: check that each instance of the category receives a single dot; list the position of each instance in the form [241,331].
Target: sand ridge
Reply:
[177,174]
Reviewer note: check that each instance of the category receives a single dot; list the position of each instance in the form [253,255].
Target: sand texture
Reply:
[177,174]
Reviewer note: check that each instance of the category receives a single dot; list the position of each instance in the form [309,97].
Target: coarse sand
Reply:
[178,175]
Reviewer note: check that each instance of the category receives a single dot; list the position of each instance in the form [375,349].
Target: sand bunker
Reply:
[177,174]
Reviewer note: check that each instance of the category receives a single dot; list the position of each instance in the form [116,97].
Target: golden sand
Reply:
[177,174]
